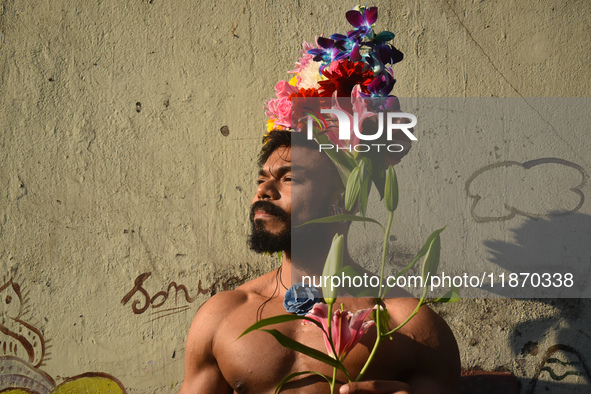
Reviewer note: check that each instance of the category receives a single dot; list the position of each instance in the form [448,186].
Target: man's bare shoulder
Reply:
[425,327]
[436,351]
[219,320]
[221,305]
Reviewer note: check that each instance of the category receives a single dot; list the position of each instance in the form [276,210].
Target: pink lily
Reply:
[360,107]
[346,328]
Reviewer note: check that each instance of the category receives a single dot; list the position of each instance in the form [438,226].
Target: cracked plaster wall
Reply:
[118,185]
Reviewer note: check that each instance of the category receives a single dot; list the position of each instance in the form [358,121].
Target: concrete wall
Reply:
[123,205]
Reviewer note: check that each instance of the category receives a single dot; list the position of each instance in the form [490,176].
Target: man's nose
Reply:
[267,190]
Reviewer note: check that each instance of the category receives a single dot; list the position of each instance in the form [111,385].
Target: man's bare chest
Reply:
[256,363]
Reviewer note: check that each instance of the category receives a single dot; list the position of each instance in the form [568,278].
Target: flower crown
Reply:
[355,65]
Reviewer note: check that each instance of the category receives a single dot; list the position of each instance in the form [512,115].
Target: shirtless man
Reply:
[422,358]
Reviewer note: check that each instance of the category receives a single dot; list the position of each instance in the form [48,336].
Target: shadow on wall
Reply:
[549,245]
[554,251]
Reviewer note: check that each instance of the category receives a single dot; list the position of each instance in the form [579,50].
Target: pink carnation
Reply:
[305,59]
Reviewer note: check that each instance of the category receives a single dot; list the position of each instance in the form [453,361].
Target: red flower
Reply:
[305,93]
[342,77]
[304,98]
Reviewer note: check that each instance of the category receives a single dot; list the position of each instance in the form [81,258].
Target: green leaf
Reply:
[431,261]
[296,374]
[342,160]
[342,218]
[352,188]
[384,36]
[422,252]
[289,343]
[384,319]
[377,174]
[452,295]
[318,121]
[351,270]
[276,320]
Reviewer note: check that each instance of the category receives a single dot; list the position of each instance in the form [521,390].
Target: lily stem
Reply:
[334,371]
[374,350]
[384,252]
[380,295]
[334,380]
[418,307]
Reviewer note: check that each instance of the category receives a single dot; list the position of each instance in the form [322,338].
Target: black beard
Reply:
[262,241]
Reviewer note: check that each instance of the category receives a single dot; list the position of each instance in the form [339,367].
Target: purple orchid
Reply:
[386,104]
[349,43]
[327,53]
[381,86]
[363,19]
[388,54]
[379,91]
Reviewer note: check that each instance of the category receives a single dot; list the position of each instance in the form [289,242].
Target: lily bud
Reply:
[391,190]
[431,262]
[334,263]
[353,186]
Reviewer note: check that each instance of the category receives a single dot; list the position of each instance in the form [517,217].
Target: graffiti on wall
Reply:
[554,183]
[562,365]
[23,351]
[166,302]
[18,338]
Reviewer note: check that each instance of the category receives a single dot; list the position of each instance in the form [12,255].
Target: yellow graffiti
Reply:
[15,391]
[89,385]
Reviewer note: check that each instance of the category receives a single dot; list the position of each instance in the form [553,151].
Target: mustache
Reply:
[268,208]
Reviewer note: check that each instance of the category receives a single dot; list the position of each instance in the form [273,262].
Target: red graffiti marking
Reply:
[158,300]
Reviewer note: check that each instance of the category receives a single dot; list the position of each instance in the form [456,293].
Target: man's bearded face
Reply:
[289,194]
[261,240]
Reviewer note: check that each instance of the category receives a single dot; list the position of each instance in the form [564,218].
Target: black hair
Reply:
[278,138]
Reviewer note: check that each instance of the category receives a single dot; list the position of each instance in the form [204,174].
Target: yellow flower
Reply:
[270,124]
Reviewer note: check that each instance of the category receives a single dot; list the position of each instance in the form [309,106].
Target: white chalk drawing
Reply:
[537,188]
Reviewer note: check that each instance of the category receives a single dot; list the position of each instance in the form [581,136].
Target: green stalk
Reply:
[374,350]
[329,324]
[341,365]
[380,336]
[334,379]
[384,252]
[380,295]
[421,301]
[334,370]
